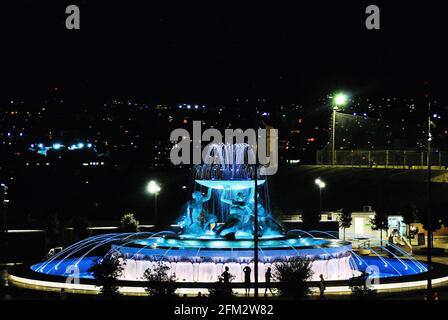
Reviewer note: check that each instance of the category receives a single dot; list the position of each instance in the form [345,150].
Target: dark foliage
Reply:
[158,282]
[291,277]
[106,272]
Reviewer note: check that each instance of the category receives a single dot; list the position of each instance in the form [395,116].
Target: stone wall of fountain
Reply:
[331,269]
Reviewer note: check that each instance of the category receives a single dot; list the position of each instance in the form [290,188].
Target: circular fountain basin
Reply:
[203,259]
[271,249]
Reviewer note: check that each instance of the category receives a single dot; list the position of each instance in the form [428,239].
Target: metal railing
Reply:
[386,158]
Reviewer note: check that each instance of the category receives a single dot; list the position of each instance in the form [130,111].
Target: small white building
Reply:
[361,226]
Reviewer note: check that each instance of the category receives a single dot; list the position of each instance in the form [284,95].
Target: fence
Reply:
[388,158]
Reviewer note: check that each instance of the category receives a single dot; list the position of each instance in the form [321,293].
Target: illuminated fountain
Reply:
[217,230]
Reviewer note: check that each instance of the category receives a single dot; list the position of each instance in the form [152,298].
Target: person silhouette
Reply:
[267,280]
[247,270]
[226,275]
[322,286]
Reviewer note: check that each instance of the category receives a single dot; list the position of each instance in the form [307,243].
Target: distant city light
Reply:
[80,145]
[57,146]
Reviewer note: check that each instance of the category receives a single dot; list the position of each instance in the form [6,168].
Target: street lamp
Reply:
[320,184]
[154,188]
[3,203]
[339,100]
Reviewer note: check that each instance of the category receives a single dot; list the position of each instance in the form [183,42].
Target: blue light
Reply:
[80,145]
[40,145]
[89,145]
[57,146]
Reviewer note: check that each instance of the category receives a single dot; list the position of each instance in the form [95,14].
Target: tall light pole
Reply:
[3,202]
[429,213]
[320,184]
[154,188]
[256,231]
[339,99]
[4,222]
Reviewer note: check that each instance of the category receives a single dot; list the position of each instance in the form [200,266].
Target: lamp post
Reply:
[339,99]
[256,232]
[4,222]
[3,202]
[320,184]
[429,245]
[154,188]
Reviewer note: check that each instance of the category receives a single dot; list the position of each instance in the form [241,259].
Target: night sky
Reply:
[178,52]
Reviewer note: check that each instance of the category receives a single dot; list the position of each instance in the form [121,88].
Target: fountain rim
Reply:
[183,243]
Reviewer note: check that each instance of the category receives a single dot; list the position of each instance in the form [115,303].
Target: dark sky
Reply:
[180,52]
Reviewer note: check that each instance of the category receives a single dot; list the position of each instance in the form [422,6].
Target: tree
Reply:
[444,213]
[345,220]
[409,213]
[106,272]
[437,211]
[292,276]
[380,222]
[310,219]
[80,228]
[221,289]
[129,223]
[158,282]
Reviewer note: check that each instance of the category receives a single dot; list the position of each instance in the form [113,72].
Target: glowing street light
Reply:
[154,188]
[320,184]
[339,100]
